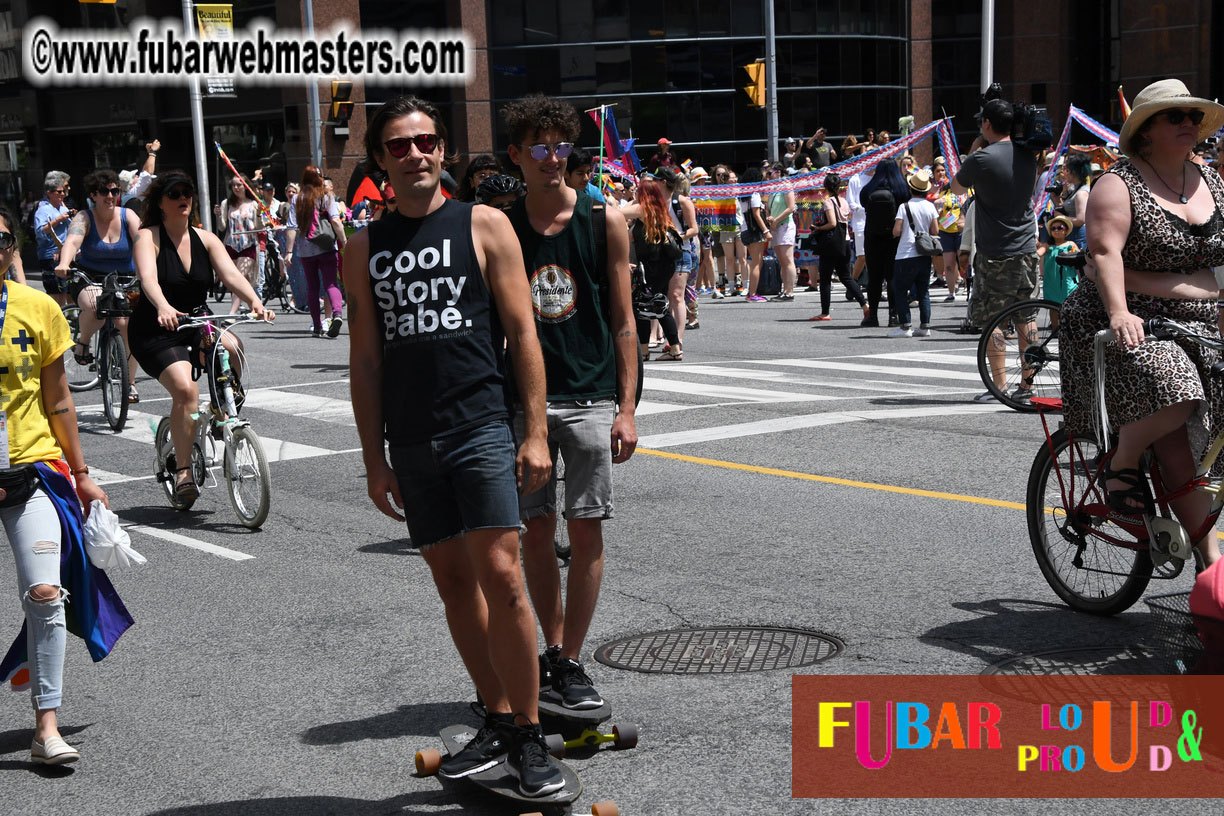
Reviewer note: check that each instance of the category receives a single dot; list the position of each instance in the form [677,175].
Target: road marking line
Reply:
[326,409]
[98,408]
[140,428]
[790,423]
[730,392]
[193,543]
[896,371]
[811,477]
[790,379]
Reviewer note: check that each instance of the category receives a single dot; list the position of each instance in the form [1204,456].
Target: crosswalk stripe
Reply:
[791,423]
[896,371]
[730,392]
[327,409]
[791,379]
[193,543]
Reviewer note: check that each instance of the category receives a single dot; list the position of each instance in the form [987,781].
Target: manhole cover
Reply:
[719,650]
[1083,661]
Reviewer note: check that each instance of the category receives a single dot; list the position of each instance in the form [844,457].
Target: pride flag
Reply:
[611,137]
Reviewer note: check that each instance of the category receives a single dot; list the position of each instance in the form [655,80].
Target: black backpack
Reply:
[881,210]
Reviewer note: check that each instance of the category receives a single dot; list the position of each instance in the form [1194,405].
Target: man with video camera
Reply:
[1005,266]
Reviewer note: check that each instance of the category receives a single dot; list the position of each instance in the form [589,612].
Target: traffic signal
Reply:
[341,107]
[756,91]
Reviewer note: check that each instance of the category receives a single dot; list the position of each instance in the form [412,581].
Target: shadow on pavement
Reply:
[315,806]
[397,546]
[1006,627]
[322,367]
[416,720]
[183,521]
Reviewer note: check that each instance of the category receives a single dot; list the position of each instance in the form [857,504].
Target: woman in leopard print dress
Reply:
[1155,230]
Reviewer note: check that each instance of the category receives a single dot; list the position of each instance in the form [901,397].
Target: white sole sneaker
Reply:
[333,328]
[53,752]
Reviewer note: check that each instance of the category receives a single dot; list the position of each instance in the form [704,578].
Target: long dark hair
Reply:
[152,215]
[887,175]
[231,197]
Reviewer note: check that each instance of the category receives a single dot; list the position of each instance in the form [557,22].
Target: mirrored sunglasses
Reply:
[425,143]
[561,150]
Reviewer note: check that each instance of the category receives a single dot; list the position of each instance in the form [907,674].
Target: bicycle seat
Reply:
[1047,403]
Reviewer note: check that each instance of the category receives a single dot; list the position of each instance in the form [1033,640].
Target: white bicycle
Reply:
[244,465]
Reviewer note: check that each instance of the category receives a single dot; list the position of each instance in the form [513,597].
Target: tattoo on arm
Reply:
[626,334]
[78,226]
[60,411]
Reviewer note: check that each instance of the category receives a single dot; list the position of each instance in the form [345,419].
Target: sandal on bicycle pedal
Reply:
[1131,500]
[133,394]
[84,356]
[186,490]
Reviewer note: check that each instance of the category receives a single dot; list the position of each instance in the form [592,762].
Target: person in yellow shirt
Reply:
[39,450]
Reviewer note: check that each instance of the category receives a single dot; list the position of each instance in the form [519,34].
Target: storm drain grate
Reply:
[719,650]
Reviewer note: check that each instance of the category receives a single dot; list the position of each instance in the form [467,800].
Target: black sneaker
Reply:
[547,661]
[571,687]
[333,328]
[529,762]
[488,748]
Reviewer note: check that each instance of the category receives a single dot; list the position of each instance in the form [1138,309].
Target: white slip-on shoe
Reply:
[54,751]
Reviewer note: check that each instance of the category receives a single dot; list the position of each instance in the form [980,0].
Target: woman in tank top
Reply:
[1155,230]
[100,240]
[176,263]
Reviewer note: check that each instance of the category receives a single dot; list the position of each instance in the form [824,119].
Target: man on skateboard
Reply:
[577,259]
[431,287]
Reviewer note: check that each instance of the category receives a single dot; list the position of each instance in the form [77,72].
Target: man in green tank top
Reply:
[584,319]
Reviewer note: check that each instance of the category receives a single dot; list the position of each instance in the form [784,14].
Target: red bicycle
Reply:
[1095,559]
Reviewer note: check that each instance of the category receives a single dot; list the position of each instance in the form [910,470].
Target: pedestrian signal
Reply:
[756,91]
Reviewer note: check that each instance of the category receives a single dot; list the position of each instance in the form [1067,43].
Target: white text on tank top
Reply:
[435,297]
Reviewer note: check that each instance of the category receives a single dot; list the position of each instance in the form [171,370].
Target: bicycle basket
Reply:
[1181,638]
[113,301]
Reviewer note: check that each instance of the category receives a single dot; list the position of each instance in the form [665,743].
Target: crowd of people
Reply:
[493,332]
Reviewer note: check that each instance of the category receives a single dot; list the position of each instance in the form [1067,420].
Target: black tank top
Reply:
[443,358]
[185,291]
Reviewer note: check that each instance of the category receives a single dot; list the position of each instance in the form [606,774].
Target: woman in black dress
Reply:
[176,263]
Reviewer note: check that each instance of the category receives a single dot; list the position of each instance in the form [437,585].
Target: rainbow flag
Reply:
[717,215]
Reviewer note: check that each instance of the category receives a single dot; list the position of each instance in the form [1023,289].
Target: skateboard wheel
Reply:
[604,809]
[624,737]
[556,745]
[428,762]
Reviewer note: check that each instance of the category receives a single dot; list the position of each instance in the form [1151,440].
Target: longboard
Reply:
[497,779]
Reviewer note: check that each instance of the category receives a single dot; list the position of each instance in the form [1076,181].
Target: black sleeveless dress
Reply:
[154,347]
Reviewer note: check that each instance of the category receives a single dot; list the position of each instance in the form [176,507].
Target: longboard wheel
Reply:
[556,745]
[428,761]
[624,736]
[604,809]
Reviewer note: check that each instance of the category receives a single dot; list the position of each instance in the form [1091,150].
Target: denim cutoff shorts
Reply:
[458,482]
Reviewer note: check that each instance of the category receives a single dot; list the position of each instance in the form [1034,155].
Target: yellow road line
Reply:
[811,477]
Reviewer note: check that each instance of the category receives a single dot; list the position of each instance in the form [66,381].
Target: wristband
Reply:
[84,470]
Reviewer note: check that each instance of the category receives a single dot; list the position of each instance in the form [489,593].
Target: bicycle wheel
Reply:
[114,374]
[166,465]
[1022,375]
[1088,571]
[247,477]
[80,377]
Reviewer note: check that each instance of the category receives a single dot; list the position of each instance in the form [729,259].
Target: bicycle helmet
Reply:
[496,186]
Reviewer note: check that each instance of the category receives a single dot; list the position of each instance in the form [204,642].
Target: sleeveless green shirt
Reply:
[566,295]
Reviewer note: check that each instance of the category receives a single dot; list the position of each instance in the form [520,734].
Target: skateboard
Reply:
[586,722]
[500,781]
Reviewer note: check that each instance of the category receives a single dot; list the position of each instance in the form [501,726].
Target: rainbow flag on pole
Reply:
[607,125]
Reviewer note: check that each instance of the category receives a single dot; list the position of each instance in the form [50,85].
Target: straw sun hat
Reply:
[919,181]
[1162,95]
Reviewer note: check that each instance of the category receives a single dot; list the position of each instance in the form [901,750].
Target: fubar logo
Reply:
[553,293]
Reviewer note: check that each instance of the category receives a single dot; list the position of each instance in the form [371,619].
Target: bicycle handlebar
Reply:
[198,320]
[1074,260]
[124,282]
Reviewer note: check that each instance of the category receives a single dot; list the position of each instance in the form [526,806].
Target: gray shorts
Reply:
[582,433]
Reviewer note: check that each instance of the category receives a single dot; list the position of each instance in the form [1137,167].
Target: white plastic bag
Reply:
[106,543]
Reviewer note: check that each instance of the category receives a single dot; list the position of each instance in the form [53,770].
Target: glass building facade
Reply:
[674,69]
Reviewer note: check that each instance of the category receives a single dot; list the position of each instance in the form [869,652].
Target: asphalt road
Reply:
[776,486]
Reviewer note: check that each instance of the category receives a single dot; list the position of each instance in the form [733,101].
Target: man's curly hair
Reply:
[538,113]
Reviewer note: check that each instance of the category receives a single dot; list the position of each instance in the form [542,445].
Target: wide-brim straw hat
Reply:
[1162,95]
[919,181]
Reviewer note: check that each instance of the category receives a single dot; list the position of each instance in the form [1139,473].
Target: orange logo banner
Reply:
[1007,737]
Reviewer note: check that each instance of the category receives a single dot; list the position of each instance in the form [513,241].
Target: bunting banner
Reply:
[1043,198]
[1094,127]
[607,127]
[611,168]
[263,208]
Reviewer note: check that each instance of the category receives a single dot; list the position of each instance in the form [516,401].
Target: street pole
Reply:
[771,82]
[988,25]
[312,97]
[197,127]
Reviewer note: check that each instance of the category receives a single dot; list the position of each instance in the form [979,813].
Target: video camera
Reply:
[1031,126]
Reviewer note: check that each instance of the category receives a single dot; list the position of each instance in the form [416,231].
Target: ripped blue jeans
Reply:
[33,531]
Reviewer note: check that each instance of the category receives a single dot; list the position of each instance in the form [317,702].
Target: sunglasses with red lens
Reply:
[425,143]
